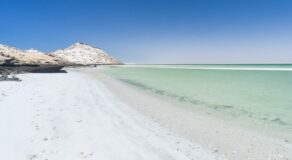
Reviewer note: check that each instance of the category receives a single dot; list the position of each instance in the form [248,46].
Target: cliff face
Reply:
[22,57]
[83,54]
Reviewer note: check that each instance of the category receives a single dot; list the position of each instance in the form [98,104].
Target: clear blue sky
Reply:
[155,31]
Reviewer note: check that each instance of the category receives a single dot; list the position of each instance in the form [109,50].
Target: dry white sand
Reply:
[74,116]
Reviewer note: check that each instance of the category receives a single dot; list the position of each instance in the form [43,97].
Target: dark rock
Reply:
[7,76]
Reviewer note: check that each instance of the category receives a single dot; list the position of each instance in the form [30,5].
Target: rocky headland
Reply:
[13,60]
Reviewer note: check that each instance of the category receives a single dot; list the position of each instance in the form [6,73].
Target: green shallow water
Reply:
[261,97]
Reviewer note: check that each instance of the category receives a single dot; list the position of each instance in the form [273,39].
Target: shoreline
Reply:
[75,116]
[85,114]
[229,139]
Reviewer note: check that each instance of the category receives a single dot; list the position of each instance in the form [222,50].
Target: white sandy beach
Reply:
[75,116]
[146,80]
[84,114]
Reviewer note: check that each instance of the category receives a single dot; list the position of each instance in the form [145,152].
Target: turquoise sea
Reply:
[257,94]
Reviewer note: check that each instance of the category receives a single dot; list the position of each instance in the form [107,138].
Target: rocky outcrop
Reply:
[4,59]
[13,60]
[84,54]
[15,56]
[76,54]
[6,76]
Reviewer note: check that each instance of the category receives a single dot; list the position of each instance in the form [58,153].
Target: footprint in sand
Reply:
[32,156]
[37,127]
[86,155]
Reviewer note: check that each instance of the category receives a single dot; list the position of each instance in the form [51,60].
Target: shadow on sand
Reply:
[8,73]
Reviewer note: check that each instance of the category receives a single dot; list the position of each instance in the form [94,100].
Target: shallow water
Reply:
[260,97]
